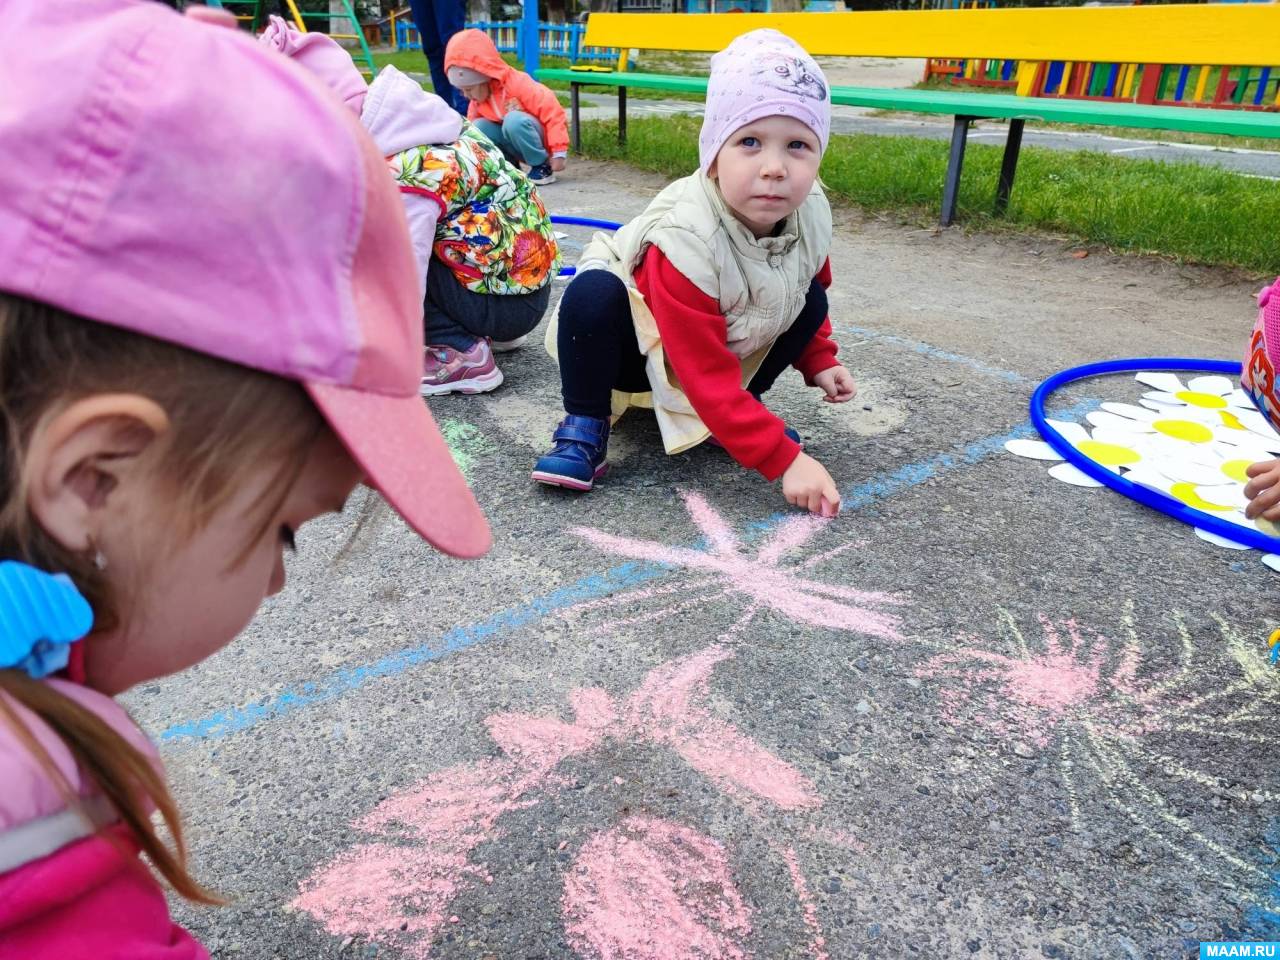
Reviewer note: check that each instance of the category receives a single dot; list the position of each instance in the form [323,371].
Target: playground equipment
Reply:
[1219,35]
[1247,88]
[251,12]
[246,11]
[554,40]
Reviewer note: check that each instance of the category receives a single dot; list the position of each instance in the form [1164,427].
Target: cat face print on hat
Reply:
[760,74]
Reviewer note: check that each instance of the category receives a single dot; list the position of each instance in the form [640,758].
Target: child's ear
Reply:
[79,460]
[711,170]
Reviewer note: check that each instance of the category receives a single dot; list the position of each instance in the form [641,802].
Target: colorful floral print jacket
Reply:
[493,231]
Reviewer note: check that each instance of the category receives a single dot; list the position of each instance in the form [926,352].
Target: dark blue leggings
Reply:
[599,352]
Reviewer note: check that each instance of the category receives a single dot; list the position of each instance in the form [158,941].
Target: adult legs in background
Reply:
[437,21]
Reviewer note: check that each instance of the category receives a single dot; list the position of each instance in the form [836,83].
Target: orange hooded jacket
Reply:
[509,88]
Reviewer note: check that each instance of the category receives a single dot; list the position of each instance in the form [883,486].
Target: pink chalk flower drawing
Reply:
[1086,700]
[645,889]
[759,578]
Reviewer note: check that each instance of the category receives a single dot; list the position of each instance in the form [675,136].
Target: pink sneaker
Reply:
[446,370]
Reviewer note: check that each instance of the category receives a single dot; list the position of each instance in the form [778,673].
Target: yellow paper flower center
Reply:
[1235,469]
[1187,430]
[1196,399]
[1108,454]
[1190,495]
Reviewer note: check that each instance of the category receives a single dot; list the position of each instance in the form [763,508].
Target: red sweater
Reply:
[695,340]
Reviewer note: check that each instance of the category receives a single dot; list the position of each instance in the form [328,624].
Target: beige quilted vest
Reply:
[760,284]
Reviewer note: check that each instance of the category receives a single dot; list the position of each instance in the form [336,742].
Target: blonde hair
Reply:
[226,422]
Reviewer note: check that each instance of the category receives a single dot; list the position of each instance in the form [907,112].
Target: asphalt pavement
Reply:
[981,713]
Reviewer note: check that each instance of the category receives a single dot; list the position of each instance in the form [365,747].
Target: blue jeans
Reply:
[437,21]
[519,137]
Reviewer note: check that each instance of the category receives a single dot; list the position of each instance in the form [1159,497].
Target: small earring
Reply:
[99,558]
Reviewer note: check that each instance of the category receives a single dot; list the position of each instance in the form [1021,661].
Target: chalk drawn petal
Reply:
[651,889]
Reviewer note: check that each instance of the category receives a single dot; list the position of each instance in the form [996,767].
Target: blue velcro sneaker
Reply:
[41,615]
[577,460]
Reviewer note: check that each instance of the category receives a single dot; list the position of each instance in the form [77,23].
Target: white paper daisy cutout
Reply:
[1192,442]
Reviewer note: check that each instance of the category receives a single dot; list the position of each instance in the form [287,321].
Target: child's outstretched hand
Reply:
[807,484]
[557,164]
[837,383]
[1263,490]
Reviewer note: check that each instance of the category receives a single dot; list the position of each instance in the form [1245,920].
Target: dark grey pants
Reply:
[456,317]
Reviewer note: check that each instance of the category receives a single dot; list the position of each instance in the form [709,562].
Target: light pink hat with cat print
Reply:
[761,74]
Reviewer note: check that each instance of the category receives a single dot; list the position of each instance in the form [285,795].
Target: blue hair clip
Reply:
[41,615]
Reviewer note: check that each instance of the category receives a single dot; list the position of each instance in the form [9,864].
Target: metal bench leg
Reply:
[577,127]
[622,115]
[1010,165]
[951,189]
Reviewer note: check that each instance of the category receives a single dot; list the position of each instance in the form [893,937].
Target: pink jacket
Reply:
[65,890]
[400,115]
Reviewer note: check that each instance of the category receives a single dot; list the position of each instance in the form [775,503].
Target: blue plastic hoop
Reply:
[581,222]
[1150,498]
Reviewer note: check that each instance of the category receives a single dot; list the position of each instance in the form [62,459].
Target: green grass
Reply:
[1191,213]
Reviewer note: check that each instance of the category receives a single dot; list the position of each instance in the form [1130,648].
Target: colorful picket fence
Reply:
[554,39]
[975,73]
[1256,88]
[1248,88]
[1244,87]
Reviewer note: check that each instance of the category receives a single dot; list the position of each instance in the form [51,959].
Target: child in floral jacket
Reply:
[484,241]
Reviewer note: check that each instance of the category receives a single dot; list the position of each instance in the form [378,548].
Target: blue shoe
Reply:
[577,460]
[542,174]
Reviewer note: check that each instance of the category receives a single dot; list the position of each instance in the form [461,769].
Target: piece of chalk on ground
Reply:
[829,509]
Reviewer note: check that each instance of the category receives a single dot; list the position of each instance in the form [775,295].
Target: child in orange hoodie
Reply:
[521,116]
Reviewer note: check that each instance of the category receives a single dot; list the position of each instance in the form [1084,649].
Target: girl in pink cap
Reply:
[698,305]
[172,413]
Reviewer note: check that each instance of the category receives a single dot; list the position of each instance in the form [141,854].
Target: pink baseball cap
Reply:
[171,177]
